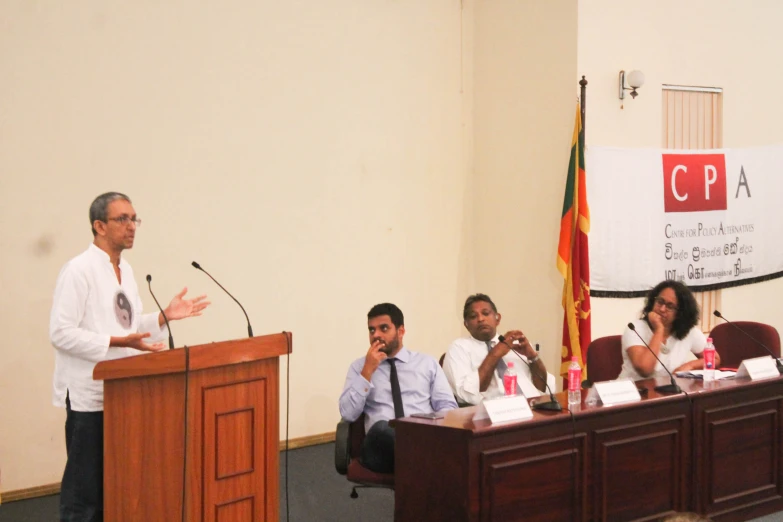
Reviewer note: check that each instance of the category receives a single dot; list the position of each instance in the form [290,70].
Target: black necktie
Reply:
[396,393]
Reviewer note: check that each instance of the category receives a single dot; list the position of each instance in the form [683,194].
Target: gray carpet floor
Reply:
[318,494]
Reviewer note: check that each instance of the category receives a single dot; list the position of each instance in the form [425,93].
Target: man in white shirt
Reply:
[96,315]
[475,365]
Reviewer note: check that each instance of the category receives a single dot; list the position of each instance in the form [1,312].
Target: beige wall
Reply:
[321,157]
[727,44]
[525,106]
[316,157]
[307,154]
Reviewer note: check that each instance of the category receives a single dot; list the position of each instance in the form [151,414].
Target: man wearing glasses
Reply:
[96,315]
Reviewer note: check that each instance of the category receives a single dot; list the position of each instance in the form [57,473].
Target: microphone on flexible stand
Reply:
[666,388]
[551,404]
[149,285]
[777,361]
[249,328]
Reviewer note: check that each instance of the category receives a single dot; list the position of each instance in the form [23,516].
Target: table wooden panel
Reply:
[715,450]
[738,469]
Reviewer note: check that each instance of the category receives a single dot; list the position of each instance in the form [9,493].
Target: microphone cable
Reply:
[551,396]
[185,431]
[185,422]
[632,327]
[573,431]
[533,373]
[287,415]
[185,427]
[776,358]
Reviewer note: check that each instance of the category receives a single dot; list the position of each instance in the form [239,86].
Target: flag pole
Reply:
[583,101]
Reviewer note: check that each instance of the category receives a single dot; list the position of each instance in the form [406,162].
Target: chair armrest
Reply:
[342,447]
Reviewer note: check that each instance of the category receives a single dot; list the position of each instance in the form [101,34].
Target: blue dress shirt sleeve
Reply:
[442,396]
[355,392]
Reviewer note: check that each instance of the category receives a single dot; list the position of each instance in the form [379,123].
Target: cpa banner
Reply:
[709,218]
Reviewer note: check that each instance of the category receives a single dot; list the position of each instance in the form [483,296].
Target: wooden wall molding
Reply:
[34,492]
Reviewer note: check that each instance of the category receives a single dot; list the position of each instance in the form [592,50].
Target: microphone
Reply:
[552,404]
[667,388]
[249,328]
[780,365]
[149,285]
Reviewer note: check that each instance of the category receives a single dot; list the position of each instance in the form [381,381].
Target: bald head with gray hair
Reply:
[100,206]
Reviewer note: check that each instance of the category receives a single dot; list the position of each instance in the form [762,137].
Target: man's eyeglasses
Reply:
[126,220]
[665,304]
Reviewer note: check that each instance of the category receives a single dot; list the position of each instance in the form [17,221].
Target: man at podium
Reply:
[96,315]
[388,383]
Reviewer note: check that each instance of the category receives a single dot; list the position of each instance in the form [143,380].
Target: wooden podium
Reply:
[232,430]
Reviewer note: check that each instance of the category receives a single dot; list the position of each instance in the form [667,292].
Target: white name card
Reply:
[617,392]
[504,409]
[758,368]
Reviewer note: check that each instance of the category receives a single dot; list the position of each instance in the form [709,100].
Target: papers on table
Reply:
[699,374]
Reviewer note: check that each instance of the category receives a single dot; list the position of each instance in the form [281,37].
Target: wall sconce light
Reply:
[635,81]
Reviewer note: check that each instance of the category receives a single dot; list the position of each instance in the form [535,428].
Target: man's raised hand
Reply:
[373,359]
[181,308]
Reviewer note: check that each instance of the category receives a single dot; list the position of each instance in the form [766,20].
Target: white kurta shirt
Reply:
[89,307]
[679,351]
[461,366]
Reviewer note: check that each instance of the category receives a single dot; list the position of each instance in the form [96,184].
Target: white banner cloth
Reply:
[709,218]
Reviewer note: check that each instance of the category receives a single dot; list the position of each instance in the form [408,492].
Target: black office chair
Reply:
[347,448]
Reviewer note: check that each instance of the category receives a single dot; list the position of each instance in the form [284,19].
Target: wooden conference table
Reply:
[716,451]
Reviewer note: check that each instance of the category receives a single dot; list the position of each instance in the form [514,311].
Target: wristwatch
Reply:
[534,359]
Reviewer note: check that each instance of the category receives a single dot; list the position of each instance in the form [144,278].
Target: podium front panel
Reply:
[234,448]
[143,448]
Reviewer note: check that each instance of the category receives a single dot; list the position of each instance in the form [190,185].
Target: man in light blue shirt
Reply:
[390,382]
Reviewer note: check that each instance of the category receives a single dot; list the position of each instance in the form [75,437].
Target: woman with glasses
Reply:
[669,324]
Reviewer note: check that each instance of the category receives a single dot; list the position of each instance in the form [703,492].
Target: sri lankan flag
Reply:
[572,257]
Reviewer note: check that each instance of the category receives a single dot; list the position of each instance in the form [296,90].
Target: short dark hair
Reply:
[394,313]
[99,207]
[687,308]
[476,298]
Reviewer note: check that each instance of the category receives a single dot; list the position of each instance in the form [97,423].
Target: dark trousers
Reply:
[81,493]
[378,448]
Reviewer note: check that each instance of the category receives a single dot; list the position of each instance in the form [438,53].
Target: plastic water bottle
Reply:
[709,360]
[574,382]
[510,380]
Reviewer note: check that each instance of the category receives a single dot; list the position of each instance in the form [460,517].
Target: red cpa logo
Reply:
[694,182]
